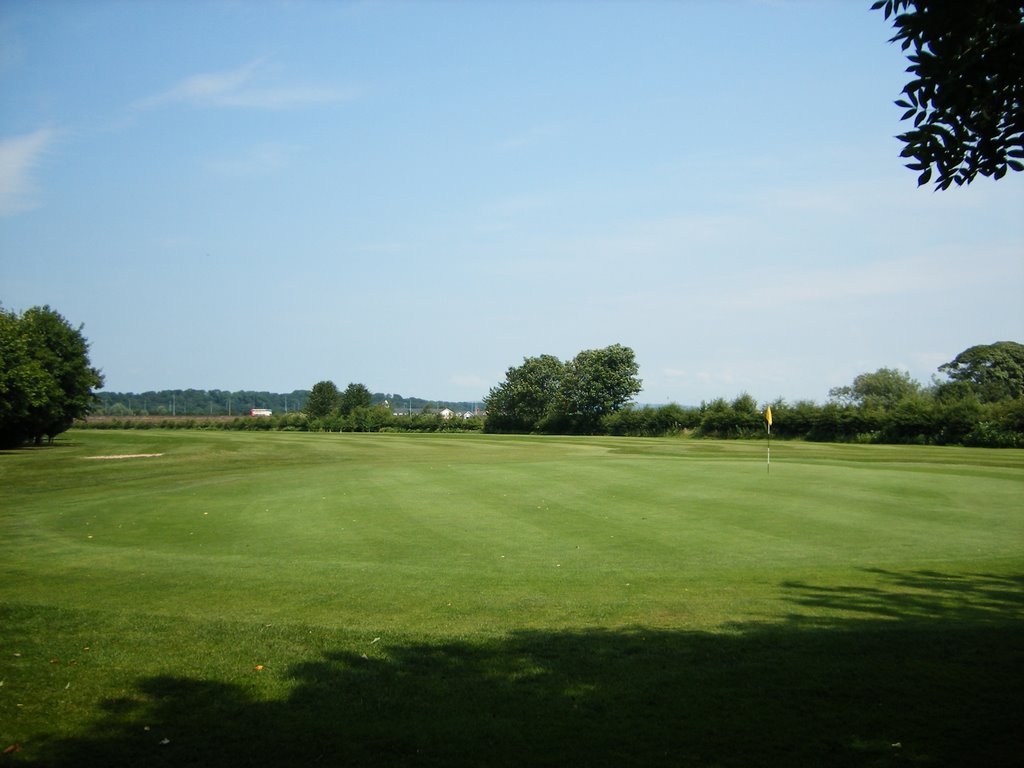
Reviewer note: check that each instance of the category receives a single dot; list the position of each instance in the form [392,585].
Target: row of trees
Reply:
[46,380]
[980,402]
[219,402]
[196,402]
[927,418]
[325,399]
[355,409]
[47,383]
[361,419]
[924,419]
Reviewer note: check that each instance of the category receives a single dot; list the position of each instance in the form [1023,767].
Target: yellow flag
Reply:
[768,415]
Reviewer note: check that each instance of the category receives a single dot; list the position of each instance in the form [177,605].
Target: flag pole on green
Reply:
[768,418]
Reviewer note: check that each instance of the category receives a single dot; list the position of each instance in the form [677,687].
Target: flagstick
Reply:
[769,449]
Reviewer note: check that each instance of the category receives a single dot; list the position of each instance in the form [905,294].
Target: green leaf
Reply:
[924,178]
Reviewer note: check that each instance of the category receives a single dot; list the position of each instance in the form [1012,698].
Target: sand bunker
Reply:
[125,456]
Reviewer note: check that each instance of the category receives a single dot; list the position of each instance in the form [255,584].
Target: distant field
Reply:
[389,599]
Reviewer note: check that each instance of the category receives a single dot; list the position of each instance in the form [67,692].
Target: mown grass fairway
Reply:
[301,599]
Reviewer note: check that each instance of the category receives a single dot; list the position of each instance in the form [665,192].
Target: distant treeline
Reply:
[926,418]
[980,403]
[886,406]
[378,418]
[218,402]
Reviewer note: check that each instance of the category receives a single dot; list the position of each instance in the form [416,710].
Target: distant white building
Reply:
[260,412]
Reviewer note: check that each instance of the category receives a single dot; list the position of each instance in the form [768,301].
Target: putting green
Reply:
[472,534]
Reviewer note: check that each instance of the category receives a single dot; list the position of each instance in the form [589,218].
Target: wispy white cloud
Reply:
[244,87]
[204,88]
[19,157]
[286,97]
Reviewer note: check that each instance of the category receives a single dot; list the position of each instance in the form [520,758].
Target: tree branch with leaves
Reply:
[965,96]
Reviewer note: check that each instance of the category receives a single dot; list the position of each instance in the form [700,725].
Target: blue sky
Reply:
[416,196]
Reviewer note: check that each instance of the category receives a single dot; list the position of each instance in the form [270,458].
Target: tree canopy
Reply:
[46,379]
[524,399]
[993,372]
[967,88]
[354,396]
[545,394]
[597,382]
[323,399]
[881,389]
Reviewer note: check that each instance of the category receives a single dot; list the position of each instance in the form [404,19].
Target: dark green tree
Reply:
[525,398]
[966,90]
[992,372]
[354,396]
[323,400]
[596,382]
[882,389]
[24,386]
[46,379]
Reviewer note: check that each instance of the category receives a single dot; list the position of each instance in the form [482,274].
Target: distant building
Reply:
[261,412]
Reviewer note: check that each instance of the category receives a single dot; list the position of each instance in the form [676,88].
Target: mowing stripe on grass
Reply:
[604,587]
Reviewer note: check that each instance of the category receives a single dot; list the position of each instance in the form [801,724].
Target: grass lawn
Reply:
[432,600]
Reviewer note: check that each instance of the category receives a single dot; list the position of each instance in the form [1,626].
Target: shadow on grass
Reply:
[926,670]
[975,599]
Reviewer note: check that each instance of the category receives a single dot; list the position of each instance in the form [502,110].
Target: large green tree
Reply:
[24,386]
[46,379]
[354,396]
[597,382]
[966,90]
[323,400]
[525,398]
[992,372]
